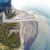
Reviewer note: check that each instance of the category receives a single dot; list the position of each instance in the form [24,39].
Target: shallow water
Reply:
[42,41]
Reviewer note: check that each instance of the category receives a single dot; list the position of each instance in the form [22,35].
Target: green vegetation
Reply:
[10,14]
[3,47]
[13,41]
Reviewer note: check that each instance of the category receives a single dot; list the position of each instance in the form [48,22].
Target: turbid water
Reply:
[42,40]
[33,40]
[29,32]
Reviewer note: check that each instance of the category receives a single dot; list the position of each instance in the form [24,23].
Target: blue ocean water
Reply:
[4,4]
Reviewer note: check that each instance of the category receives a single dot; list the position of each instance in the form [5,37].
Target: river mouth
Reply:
[20,34]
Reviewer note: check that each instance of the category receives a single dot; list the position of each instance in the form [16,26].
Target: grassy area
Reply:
[13,41]
[10,14]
